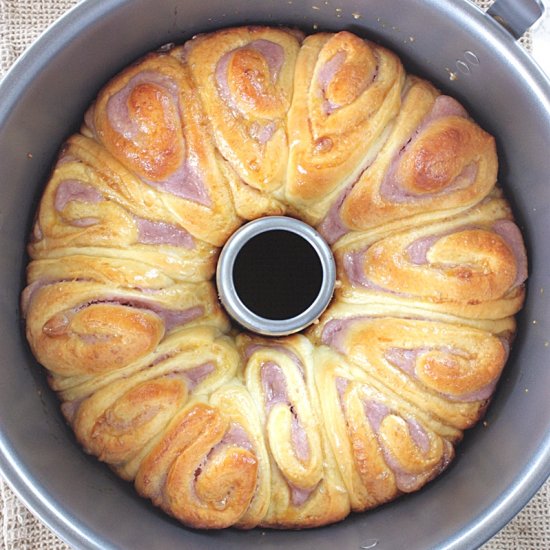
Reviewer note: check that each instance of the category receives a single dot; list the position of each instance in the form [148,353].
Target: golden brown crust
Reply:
[435,159]
[197,486]
[464,265]
[150,119]
[347,90]
[245,79]
[220,428]
[381,448]
[82,327]
[93,206]
[443,367]
[306,488]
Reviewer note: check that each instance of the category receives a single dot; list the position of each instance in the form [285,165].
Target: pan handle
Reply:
[516,16]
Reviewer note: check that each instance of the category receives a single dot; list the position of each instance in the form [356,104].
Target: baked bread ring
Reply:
[222,428]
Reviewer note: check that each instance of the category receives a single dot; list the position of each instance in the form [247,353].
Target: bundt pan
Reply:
[469,55]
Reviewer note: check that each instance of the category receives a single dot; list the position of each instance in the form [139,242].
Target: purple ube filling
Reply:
[275,391]
[333,227]
[418,250]
[75,190]
[274,56]
[417,254]
[327,73]
[334,335]
[171,318]
[405,360]
[376,412]
[405,481]
[149,232]
[187,181]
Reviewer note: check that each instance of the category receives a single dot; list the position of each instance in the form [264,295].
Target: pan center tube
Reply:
[275,276]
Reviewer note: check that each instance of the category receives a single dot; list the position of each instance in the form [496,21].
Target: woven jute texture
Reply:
[21,23]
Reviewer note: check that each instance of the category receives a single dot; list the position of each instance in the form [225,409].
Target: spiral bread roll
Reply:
[348,93]
[222,428]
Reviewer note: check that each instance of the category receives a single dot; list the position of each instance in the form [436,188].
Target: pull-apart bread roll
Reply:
[382,446]
[94,208]
[443,366]
[346,93]
[306,487]
[245,78]
[149,118]
[470,265]
[222,428]
[435,162]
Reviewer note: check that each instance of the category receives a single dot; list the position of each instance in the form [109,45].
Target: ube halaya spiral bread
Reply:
[224,428]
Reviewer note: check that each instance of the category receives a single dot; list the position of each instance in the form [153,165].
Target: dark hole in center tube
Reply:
[277,274]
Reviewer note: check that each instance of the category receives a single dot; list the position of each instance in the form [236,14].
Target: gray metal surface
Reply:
[498,467]
[516,16]
[226,285]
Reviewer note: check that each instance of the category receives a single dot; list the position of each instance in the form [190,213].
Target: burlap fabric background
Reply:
[21,22]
